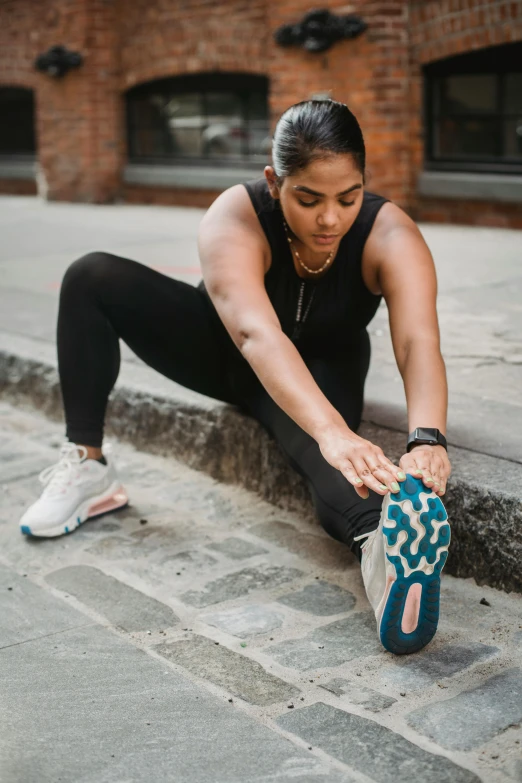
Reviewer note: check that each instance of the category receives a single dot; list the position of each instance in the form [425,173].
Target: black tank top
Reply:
[342,306]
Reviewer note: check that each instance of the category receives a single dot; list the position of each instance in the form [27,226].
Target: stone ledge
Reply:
[470,185]
[483,499]
[207,177]
[24,168]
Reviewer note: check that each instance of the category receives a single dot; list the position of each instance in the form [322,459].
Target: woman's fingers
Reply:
[350,473]
[385,471]
[362,463]
[428,465]
[366,474]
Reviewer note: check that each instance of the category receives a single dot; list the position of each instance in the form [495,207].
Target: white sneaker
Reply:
[401,563]
[76,489]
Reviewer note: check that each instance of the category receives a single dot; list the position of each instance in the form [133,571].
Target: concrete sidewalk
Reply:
[480,311]
[202,635]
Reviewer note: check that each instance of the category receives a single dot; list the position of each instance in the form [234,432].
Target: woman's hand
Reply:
[430,462]
[361,462]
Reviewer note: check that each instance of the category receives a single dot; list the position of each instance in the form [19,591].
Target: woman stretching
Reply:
[295,264]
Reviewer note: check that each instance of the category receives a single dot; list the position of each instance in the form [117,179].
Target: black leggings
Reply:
[172,327]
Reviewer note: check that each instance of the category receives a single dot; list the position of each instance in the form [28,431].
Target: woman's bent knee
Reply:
[92,266]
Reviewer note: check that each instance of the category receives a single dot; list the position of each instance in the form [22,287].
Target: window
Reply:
[474,111]
[214,118]
[17,135]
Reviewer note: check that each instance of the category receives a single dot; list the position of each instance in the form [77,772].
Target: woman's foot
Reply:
[76,489]
[401,564]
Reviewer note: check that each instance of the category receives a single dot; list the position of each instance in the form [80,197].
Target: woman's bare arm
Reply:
[408,281]
[233,260]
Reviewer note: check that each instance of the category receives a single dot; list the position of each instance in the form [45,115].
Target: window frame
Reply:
[497,61]
[24,155]
[241,84]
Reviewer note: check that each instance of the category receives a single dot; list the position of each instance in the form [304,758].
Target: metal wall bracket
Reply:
[319,30]
[58,61]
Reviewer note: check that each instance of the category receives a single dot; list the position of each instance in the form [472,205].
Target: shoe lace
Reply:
[367,546]
[56,476]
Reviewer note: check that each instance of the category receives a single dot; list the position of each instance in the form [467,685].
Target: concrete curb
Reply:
[483,498]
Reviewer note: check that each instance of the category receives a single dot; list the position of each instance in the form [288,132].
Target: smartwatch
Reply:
[427,436]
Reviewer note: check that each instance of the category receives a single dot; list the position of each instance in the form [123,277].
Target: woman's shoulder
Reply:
[388,219]
[388,215]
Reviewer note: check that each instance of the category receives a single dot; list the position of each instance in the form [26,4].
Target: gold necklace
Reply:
[313,271]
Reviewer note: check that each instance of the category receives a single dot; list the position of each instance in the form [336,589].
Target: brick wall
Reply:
[80,119]
[78,129]
[442,28]
[369,73]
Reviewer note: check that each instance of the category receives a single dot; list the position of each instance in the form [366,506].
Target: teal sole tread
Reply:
[391,634]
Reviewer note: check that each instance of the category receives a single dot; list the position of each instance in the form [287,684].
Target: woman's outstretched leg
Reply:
[340,510]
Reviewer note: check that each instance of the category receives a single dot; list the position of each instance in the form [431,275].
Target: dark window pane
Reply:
[513,138]
[469,94]
[260,142]
[466,138]
[258,106]
[151,134]
[217,116]
[185,122]
[17,136]
[225,135]
[513,100]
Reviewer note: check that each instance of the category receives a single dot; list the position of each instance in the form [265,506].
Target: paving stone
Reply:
[239,675]
[434,665]
[378,752]
[86,705]
[176,572]
[27,614]
[244,621]
[237,548]
[371,700]
[473,716]
[322,551]
[147,541]
[240,583]
[320,598]
[341,641]
[121,604]
[195,558]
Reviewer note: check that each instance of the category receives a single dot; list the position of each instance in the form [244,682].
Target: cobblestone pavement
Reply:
[201,634]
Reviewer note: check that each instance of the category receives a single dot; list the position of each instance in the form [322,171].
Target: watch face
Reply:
[427,434]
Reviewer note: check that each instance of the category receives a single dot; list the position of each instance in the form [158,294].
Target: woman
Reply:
[294,265]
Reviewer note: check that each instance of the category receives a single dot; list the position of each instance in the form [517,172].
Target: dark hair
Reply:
[314,130]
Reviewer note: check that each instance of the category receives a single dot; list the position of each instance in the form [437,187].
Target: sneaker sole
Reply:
[411,610]
[90,508]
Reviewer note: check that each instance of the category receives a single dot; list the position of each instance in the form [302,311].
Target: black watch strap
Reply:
[426,436]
